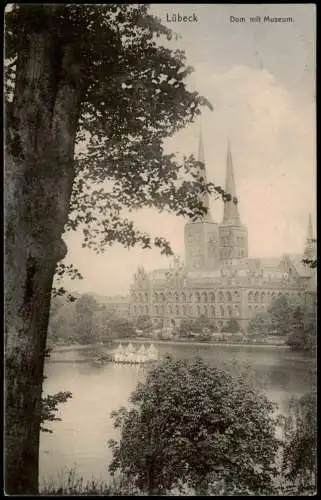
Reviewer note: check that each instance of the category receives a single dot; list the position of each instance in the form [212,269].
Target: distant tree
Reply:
[86,306]
[201,325]
[232,326]
[191,424]
[259,324]
[144,323]
[281,313]
[303,331]
[185,328]
[121,327]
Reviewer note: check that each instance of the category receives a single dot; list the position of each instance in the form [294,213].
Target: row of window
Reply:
[228,253]
[182,310]
[269,296]
[193,297]
[208,296]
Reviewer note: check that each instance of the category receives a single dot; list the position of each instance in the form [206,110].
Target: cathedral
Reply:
[219,279]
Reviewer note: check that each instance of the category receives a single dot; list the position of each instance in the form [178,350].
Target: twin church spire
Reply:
[231,213]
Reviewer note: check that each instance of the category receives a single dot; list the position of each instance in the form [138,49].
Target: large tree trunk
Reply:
[39,175]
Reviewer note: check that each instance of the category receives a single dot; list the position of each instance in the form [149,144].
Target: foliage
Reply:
[189,424]
[49,408]
[116,327]
[85,308]
[144,323]
[300,453]
[232,326]
[303,335]
[280,313]
[310,262]
[296,320]
[62,271]
[201,325]
[86,321]
[259,324]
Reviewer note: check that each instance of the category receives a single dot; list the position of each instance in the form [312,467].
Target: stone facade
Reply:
[219,280]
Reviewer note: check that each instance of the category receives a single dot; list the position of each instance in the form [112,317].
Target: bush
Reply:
[191,425]
[300,452]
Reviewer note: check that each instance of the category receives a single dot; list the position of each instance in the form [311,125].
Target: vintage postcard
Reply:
[160,241]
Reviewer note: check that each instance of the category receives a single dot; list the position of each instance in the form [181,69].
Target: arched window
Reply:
[198,310]
[146,297]
[256,296]
[146,309]
[236,311]
[230,311]
[155,297]
[222,311]
[170,310]
[169,297]
[204,297]
[221,297]
[197,297]
[262,297]
[212,297]
[250,297]
[176,297]
[236,295]
[157,310]
[205,312]
[183,297]
[162,297]
[229,297]
[177,310]
[213,311]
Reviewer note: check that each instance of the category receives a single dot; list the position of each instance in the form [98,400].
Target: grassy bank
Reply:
[71,483]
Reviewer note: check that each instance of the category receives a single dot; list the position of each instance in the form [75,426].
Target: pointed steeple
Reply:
[202,171]
[310,230]
[231,213]
[201,156]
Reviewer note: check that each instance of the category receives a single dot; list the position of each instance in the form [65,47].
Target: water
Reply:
[80,439]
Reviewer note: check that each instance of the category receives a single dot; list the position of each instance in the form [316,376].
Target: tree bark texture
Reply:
[39,174]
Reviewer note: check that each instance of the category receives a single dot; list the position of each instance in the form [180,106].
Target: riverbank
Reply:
[59,348]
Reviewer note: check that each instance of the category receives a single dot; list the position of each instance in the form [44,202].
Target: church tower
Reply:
[233,238]
[201,236]
[310,250]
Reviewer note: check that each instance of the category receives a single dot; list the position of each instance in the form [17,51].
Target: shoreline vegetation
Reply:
[70,482]
[114,342]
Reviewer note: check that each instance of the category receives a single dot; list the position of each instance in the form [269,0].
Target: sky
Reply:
[260,79]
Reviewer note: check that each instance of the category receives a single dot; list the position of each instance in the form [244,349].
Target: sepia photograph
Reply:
[160,271]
